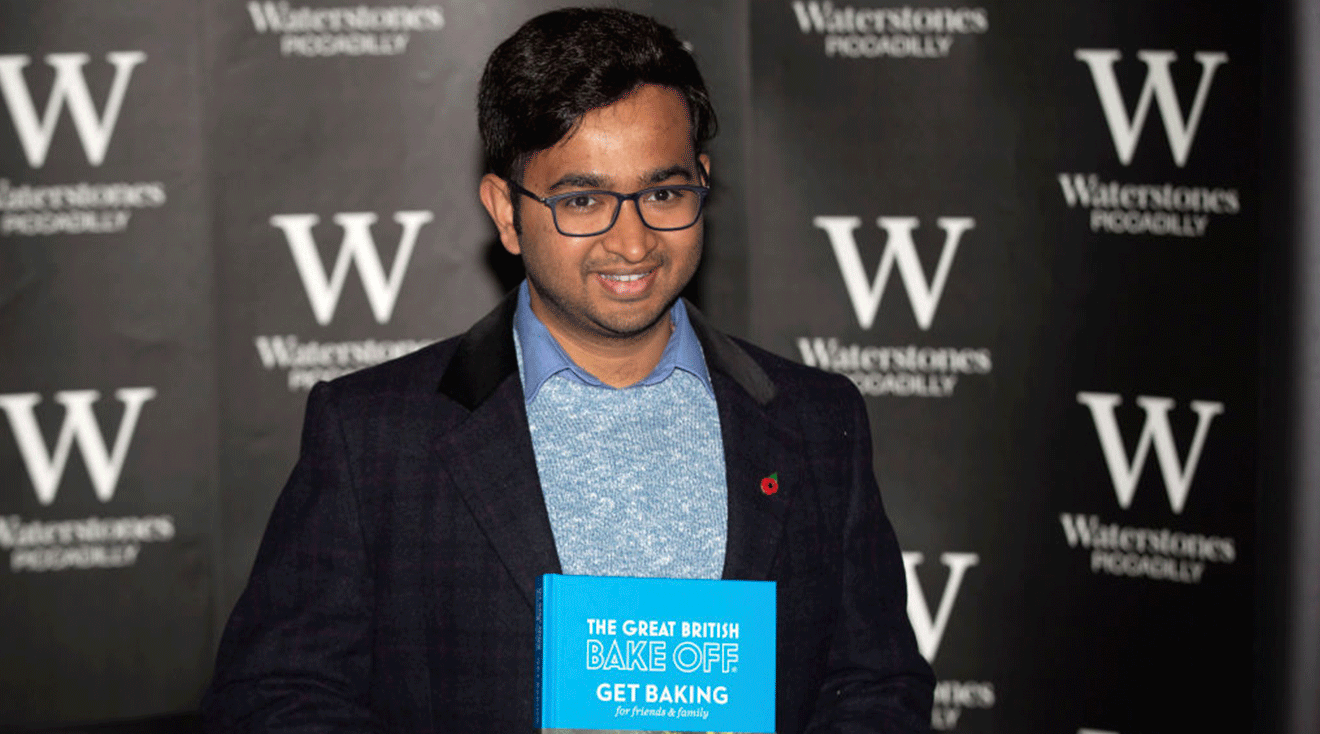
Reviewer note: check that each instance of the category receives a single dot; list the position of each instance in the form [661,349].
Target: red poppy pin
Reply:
[770,484]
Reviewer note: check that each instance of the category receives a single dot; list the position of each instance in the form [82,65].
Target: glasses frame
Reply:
[549,201]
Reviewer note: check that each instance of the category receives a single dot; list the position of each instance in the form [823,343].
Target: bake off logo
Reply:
[888,32]
[1163,208]
[305,362]
[355,30]
[952,697]
[78,207]
[76,543]
[900,370]
[643,645]
[1161,554]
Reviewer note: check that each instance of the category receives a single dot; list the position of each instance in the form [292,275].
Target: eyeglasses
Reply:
[589,213]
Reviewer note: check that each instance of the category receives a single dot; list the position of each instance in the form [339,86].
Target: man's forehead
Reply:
[645,136]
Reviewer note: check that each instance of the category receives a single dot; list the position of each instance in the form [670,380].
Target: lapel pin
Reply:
[770,484]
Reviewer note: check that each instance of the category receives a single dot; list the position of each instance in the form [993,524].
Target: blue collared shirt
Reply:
[543,358]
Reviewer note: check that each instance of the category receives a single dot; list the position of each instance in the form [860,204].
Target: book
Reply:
[645,654]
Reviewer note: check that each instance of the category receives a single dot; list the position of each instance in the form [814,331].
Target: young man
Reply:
[592,424]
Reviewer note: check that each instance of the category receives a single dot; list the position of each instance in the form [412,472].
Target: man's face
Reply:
[616,285]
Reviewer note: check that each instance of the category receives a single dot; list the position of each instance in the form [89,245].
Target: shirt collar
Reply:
[541,357]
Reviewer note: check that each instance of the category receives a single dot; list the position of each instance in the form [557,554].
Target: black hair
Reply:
[560,65]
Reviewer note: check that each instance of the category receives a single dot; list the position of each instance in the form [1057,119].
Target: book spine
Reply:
[541,622]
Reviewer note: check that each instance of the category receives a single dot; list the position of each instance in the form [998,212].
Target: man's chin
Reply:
[626,327]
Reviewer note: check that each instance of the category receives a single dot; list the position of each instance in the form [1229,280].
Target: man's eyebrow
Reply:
[577,181]
[664,174]
[594,181]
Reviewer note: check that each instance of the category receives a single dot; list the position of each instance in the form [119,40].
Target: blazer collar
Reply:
[485,356]
[497,474]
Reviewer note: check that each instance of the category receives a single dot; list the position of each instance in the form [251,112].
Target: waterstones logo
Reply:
[908,370]
[1169,209]
[359,30]
[1156,432]
[888,32]
[1126,128]
[1155,553]
[358,246]
[1161,209]
[307,362]
[69,90]
[93,542]
[901,251]
[80,544]
[76,208]
[930,629]
[952,697]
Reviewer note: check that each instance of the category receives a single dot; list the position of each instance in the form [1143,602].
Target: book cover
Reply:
[669,655]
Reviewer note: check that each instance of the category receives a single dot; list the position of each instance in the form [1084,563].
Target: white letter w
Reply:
[930,631]
[1177,476]
[70,87]
[46,468]
[1159,85]
[357,246]
[899,249]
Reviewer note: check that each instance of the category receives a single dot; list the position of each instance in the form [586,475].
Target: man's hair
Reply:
[560,65]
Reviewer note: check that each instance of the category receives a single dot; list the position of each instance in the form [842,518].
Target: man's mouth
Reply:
[625,278]
[627,284]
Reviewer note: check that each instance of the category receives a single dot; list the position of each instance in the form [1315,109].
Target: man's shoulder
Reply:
[480,358]
[821,405]
[417,371]
[766,376]
[796,379]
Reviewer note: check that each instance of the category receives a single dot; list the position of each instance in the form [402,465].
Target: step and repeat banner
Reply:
[108,438]
[1030,241]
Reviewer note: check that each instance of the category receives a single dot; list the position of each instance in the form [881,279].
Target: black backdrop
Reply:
[1034,235]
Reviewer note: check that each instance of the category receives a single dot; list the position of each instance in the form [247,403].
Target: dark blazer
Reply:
[394,588]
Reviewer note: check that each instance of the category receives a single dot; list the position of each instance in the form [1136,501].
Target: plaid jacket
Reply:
[394,587]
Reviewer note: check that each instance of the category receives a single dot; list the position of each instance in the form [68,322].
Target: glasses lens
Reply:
[586,213]
[593,212]
[669,208]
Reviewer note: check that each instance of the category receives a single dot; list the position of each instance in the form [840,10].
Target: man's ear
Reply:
[495,196]
[704,160]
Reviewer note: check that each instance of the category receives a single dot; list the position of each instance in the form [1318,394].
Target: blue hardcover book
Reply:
[629,654]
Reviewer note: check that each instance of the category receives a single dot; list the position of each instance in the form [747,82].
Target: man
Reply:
[592,424]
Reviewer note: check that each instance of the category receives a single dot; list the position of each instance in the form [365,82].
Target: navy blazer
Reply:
[394,589]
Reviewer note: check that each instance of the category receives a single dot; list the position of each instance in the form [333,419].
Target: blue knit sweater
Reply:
[633,478]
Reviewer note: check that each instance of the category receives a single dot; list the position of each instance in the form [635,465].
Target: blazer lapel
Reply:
[491,460]
[765,470]
[757,448]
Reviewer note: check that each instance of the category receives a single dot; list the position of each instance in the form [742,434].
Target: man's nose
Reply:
[630,238]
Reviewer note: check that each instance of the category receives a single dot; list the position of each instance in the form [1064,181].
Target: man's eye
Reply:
[581,201]
[666,196]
